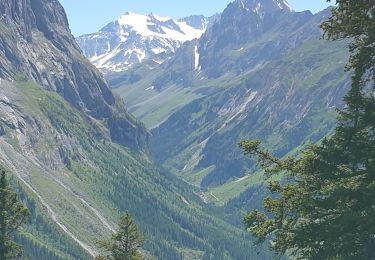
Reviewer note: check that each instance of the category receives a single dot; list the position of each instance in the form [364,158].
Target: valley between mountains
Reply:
[145,116]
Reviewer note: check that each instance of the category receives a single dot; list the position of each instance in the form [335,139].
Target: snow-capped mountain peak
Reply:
[135,37]
[154,25]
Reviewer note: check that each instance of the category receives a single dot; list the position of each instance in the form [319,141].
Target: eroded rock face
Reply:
[36,43]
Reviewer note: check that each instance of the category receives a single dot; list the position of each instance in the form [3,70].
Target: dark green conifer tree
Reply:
[324,208]
[125,244]
[12,214]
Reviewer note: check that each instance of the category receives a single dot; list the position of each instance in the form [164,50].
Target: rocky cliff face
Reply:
[36,43]
[243,23]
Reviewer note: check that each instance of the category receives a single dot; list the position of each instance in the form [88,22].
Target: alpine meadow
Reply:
[187,131]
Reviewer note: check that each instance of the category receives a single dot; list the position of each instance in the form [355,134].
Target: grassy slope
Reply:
[79,175]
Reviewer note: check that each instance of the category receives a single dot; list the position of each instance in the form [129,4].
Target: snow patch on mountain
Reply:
[196,58]
[285,3]
[259,6]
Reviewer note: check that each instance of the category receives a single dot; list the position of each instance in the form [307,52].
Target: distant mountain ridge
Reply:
[134,37]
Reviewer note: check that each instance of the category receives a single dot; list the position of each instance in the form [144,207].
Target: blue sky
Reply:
[87,16]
